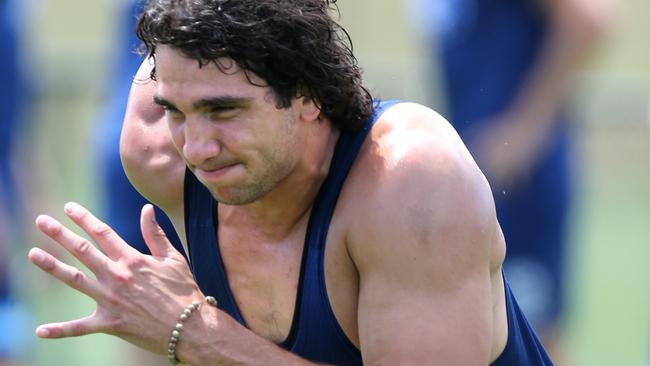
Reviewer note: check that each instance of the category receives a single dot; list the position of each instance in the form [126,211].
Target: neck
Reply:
[280,213]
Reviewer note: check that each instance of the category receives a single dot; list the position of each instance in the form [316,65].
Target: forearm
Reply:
[212,338]
[575,29]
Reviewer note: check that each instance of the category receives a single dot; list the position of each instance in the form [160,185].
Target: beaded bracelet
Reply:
[176,333]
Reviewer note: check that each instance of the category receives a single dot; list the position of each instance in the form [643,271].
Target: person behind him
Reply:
[507,68]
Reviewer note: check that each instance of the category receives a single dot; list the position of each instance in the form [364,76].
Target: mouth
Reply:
[210,174]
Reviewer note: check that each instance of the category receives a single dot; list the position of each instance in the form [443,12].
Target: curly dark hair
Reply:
[294,45]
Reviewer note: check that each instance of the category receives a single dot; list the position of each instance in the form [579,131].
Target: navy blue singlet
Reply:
[315,333]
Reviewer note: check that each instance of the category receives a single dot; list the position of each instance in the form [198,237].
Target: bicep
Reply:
[424,262]
[401,323]
[422,306]
[150,160]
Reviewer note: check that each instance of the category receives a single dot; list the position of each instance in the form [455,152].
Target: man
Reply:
[510,108]
[330,229]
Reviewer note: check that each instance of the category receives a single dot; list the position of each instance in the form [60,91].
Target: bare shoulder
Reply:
[416,179]
[423,236]
[150,160]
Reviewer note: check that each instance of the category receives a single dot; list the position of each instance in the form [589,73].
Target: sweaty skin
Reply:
[413,256]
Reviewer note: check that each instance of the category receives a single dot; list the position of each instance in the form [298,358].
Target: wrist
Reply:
[191,337]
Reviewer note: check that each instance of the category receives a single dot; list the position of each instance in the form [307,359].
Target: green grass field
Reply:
[609,321]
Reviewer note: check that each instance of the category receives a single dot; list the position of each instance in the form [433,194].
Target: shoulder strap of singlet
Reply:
[311,288]
[205,258]
[347,149]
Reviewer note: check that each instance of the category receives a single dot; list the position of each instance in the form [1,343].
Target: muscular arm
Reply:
[427,250]
[150,160]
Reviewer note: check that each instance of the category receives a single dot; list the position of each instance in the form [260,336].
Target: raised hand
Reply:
[506,150]
[138,296]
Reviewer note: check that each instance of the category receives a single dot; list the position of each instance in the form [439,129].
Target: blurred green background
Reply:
[608,322]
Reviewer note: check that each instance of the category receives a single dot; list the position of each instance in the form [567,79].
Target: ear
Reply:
[310,110]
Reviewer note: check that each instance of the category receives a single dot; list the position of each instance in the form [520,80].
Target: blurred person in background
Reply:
[507,68]
[13,316]
[120,200]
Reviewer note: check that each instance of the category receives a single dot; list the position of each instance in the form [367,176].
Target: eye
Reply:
[222,112]
[173,114]
[169,108]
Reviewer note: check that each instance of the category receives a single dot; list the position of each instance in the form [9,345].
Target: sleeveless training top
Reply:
[315,333]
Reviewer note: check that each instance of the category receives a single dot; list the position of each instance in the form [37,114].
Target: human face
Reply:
[229,132]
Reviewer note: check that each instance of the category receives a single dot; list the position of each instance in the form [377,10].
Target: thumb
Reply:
[153,234]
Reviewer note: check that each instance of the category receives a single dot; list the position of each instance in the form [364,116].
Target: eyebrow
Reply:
[163,102]
[220,101]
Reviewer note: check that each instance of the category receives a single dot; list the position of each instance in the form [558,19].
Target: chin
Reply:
[234,197]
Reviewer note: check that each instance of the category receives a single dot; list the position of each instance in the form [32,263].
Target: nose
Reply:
[201,142]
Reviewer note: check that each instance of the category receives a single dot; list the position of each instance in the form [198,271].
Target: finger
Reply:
[67,274]
[78,246]
[100,232]
[74,328]
[154,236]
